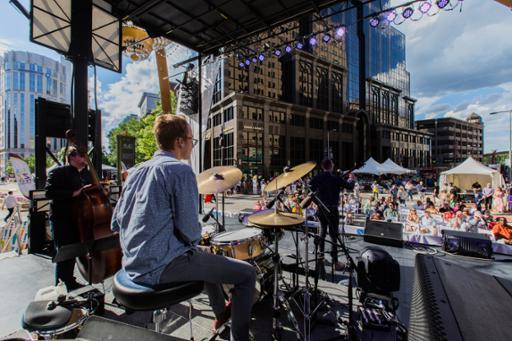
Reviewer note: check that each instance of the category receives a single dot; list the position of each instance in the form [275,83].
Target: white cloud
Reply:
[121,99]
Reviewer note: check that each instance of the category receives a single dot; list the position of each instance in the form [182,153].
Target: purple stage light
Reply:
[254,59]
[425,7]
[407,13]
[312,41]
[374,22]
[391,16]
[299,45]
[288,48]
[261,57]
[241,64]
[326,37]
[247,62]
[277,52]
[339,32]
[442,3]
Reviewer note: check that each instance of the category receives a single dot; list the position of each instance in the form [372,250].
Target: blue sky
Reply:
[460,62]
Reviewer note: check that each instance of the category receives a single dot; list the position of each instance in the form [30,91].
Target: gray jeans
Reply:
[214,270]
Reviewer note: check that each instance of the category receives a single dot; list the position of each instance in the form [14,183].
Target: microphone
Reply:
[208,215]
[271,203]
[307,201]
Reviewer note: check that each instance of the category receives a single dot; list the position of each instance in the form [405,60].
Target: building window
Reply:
[298,120]
[322,88]
[332,125]
[316,123]
[22,119]
[376,103]
[217,120]
[228,114]
[337,92]
[306,83]
[316,150]
[217,89]
[297,150]
[385,107]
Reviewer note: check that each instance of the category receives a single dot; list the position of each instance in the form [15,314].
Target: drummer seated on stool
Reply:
[157,219]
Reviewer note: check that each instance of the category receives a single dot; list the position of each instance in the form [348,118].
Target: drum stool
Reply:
[137,297]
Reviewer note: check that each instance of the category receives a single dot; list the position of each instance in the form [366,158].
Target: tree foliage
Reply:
[142,130]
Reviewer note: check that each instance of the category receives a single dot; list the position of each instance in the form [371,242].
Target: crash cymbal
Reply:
[218,179]
[290,176]
[275,219]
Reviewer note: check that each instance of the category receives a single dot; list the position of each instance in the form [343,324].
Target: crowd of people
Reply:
[406,201]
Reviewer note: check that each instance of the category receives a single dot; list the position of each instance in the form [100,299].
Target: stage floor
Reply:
[23,276]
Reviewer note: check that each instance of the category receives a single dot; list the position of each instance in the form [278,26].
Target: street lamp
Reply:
[509,141]
[328,144]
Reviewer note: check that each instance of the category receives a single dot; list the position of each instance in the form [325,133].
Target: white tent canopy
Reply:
[393,168]
[371,167]
[469,172]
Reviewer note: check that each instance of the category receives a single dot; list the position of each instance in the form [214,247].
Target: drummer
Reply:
[157,219]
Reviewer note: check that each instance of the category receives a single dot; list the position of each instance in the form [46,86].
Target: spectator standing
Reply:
[10,204]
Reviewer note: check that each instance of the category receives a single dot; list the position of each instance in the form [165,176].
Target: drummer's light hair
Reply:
[327,164]
[168,128]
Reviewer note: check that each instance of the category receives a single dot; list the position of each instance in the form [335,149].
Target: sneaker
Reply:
[223,318]
[74,286]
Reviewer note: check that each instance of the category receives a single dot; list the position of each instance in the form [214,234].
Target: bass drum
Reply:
[264,278]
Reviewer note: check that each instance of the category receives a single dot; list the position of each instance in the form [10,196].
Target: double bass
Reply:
[92,214]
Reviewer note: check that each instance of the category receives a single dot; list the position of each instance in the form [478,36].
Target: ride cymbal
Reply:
[290,176]
[218,179]
[275,219]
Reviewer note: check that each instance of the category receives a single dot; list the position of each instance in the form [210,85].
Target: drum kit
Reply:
[252,244]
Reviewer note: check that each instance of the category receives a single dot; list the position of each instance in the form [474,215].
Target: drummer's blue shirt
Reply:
[157,216]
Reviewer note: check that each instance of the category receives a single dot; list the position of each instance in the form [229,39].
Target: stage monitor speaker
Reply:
[467,243]
[451,302]
[383,232]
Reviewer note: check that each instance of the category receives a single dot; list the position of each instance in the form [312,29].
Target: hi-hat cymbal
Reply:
[218,179]
[290,176]
[275,219]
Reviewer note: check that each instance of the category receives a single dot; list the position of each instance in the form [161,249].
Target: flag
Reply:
[22,174]
[221,136]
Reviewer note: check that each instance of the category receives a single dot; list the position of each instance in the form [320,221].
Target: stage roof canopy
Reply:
[207,25]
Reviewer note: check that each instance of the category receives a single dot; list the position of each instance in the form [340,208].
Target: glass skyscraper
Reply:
[24,77]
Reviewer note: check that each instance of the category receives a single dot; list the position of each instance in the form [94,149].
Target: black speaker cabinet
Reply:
[383,232]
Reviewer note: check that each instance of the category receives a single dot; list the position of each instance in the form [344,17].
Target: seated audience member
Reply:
[443,195]
[391,213]
[377,215]
[368,206]
[428,224]
[488,218]
[445,207]
[476,222]
[412,222]
[431,208]
[501,230]
[457,221]
[418,206]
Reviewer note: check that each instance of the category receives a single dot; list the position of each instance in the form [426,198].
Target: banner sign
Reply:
[23,175]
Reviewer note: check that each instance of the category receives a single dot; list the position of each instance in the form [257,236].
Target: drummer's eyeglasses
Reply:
[194,141]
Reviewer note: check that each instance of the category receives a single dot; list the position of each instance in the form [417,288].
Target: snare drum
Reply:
[207,232]
[242,244]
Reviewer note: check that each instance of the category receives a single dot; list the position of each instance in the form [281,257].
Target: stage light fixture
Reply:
[312,41]
[299,45]
[241,64]
[339,32]
[247,62]
[391,16]
[288,48]
[425,7]
[277,52]
[261,57]
[442,3]
[374,22]
[254,59]
[407,13]
[326,38]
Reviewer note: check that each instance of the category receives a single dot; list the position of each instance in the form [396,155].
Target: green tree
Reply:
[142,130]
[31,162]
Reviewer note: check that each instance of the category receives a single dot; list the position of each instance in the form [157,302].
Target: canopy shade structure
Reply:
[207,25]
[393,168]
[469,172]
[371,167]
